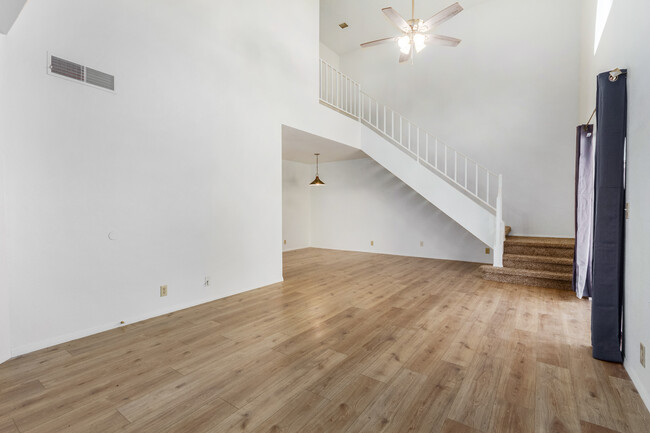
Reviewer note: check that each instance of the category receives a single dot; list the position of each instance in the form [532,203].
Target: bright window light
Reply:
[602,13]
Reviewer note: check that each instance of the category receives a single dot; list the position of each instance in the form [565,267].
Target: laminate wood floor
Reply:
[350,342]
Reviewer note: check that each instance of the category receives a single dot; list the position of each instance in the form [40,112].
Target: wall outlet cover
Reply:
[487,251]
[163,291]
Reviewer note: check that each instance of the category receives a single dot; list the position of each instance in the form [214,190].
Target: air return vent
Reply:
[74,71]
[100,79]
[67,69]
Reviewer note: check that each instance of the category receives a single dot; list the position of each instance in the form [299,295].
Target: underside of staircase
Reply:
[534,261]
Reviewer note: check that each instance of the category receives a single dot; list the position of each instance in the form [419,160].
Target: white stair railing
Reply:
[342,93]
[339,90]
[433,153]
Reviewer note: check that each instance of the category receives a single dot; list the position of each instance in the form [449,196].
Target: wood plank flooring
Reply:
[350,342]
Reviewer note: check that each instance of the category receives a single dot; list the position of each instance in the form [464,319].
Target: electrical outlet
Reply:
[285,241]
[487,251]
[642,355]
[206,283]
[372,243]
[421,243]
[627,211]
[163,291]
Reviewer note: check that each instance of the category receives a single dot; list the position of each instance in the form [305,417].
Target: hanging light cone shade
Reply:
[317,180]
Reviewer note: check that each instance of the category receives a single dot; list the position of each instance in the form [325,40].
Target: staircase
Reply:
[533,261]
[466,191]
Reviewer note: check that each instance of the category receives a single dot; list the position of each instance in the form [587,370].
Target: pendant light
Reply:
[317,181]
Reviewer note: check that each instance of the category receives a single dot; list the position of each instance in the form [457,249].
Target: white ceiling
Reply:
[300,146]
[367,22]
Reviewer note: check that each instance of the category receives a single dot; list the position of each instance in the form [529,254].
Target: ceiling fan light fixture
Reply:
[404,44]
[419,41]
[416,32]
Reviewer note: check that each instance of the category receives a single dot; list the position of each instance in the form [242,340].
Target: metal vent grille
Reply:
[77,72]
[100,79]
[67,69]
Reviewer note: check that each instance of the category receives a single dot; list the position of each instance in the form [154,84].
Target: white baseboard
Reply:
[295,249]
[386,253]
[643,391]
[32,347]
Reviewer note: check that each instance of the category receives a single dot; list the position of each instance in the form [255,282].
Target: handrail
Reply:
[339,90]
[342,93]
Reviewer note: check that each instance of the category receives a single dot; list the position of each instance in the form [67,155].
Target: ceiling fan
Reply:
[415,31]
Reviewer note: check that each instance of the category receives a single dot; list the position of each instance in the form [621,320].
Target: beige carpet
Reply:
[533,261]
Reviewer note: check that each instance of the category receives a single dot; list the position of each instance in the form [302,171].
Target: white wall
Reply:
[296,205]
[9,11]
[329,56]
[5,324]
[507,97]
[363,202]
[171,162]
[624,45]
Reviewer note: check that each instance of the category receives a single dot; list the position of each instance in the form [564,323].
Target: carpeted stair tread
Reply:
[551,263]
[540,259]
[534,261]
[541,242]
[562,276]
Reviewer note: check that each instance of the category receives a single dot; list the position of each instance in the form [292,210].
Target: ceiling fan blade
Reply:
[442,16]
[379,41]
[405,57]
[396,19]
[445,41]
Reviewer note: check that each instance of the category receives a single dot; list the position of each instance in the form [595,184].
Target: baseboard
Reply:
[404,255]
[295,249]
[32,347]
[643,392]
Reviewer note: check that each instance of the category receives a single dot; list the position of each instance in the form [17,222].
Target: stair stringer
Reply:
[472,216]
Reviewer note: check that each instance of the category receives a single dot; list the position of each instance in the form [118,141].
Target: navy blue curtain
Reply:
[609,219]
